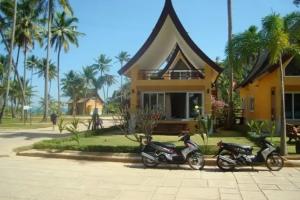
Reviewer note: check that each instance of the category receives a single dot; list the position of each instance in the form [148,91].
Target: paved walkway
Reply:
[10,139]
[43,179]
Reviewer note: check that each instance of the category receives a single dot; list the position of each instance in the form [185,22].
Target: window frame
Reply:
[293,104]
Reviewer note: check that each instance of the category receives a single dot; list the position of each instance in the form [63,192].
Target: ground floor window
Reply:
[292,105]
[175,105]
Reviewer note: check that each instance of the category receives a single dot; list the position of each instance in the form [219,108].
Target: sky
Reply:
[111,26]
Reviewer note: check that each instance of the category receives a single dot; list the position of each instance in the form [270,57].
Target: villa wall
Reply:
[260,90]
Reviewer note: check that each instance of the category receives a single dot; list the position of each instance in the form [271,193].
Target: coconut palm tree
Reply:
[109,81]
[230,111]
[246,48]
[28,30]
[73,86]
[12,40]
[103,64]
[41,71]
[63,34]
[89,74]
[122,57]
[276,41]
[50,6]
[297,2]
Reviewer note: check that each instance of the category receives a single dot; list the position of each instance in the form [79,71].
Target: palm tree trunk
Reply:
[24,83]
[47,63]
[121,83]
[230,110]
[10,60]
[283,147]
[74,105]
[58,81]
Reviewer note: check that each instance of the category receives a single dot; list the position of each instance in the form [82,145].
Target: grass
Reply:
[114,141]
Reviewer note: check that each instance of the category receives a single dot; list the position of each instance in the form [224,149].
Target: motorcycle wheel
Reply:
[223,165]
[274,162]
[196,161]
[149,163]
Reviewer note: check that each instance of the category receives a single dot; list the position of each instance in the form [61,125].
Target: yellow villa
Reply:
[260,91]
[172,73]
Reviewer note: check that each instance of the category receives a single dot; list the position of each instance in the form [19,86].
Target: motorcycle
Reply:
[154,153]
[231,155]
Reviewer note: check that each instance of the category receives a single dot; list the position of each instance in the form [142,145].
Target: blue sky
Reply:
[111,26]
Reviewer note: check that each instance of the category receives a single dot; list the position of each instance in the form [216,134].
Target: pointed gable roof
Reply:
[161,41]
[176,52]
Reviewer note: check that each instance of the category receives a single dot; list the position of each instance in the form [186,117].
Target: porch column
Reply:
[133,90]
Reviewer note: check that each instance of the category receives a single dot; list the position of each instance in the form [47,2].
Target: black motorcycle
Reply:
[231,155]
[154,153]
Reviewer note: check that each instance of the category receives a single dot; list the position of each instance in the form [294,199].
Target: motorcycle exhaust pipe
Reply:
[152,158]
[227,160]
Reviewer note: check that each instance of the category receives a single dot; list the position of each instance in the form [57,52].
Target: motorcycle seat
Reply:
[165,144]
[246,147]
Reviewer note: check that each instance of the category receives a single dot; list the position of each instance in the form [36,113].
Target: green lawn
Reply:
[114,141]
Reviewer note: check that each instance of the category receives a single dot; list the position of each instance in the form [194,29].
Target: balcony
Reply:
[170,75]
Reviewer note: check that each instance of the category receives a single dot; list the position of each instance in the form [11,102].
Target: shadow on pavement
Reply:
[30,136]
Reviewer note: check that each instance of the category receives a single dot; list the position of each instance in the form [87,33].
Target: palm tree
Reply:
[49,6]
[89,74]
[122,57]
[63,34]
[102,64]
[230,111]
[246,48]
[12,40]
[297,2]
[109,81]
[41,71]
[27,30]
[73,86]
[276,41]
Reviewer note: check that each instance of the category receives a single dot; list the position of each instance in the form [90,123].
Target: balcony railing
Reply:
[170,74]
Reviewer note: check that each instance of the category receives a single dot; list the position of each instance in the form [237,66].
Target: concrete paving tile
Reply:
[176,182]
[279,195]
[163,197]
[150,181]
[268,187]
[166,190]
[271,180]
[198,193]
[125,195]
[231,197]
[248,187]
[222,183]
[194,183]
[251,195]
[229,191]
[287,186]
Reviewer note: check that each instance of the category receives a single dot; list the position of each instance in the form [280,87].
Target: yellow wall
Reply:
[138,85]
[91,104]
[260,89]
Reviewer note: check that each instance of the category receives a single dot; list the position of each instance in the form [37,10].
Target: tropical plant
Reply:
[126,122]
[229,65]
[61,124]
[64,33]
[297,2]
[72,127]
[12,40]
[28,29]
[276,41]
[146,121]
[122,57]
[271,128]
[109,81]
[41,71]
[49,6]
[89,74]
[73,85]
[102,64]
